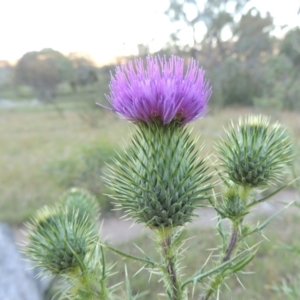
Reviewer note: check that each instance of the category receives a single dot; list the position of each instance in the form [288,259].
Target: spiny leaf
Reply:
[132,257]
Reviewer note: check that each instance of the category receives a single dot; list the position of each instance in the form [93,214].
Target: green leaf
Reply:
[132,257]
[272,194]
[199,276]
[127,284]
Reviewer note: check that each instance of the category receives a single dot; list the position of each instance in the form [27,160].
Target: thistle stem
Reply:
[232,242]
[217,280]
[169,266]
[104,293]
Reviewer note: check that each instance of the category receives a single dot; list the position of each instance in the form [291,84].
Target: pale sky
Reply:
[102,28]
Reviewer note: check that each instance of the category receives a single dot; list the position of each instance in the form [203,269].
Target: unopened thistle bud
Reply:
[57,243]
[81,201]
[158,181]
[232,206]
[254,153]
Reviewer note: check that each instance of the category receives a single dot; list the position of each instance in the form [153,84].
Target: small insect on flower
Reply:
[161,90]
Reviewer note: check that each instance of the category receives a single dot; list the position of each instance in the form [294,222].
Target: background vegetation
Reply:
[53,136]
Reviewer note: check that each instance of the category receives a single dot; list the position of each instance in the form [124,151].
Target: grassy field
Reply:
[34,138]
[30,139]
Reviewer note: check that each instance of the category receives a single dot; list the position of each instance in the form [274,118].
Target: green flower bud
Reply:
[57,243]
[81,201]
[159,181]
[232,206]
[254,154]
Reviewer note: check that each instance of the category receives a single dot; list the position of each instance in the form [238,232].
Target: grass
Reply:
[31,137]
[29,140]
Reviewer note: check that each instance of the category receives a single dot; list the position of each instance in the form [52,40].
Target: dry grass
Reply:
[28,141]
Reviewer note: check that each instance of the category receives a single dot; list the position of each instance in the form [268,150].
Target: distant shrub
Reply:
[266,102]
[280,88]
[235,84]
[239,88]
[84,170]
[272,83]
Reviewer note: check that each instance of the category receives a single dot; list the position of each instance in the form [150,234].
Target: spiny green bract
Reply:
[57,243]
[81,201]
[254,153]
[232,206]
[158,180]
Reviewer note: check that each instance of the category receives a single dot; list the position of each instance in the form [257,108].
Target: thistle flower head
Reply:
[254,153]
[161,90]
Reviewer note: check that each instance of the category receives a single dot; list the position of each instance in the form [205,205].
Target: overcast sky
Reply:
[102,28]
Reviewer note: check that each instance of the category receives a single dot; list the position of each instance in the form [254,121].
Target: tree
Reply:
[252,34]
[6,71]
[43,71]
[234,46]
[215,15]
[290,47]
[85,71]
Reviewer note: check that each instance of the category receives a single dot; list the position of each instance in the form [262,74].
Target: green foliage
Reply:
[288,290]
[158,180]
[252,34]
[268,103]
[291,46]
[280,88]
[84,169]
[238,84]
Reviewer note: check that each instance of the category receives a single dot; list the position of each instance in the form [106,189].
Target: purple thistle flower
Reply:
[159,91]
